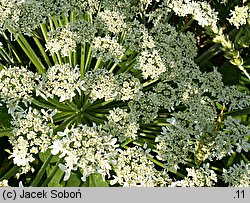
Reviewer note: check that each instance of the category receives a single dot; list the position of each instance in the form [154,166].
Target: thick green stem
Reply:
[30,53]
[124,144]
[88,60]
[45,35]
[93,118]
[94,106]
[82,60]
[60,105]
[150,82]
[98,63]
[10,173]
[51,175]
[41,171]
[186,26]
[41,48]
[13,48]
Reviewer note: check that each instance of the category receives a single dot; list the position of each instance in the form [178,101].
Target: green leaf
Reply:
[55,181]
[240,112]
[6,132]
[10,173]
[44,155]
[95,180]
[40,173]
[74,180]
[5,118]
[230,74]
[231,160]
[62,116]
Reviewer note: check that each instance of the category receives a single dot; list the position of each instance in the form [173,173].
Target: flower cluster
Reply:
[17,85]
[9,11]
[107,48]
[113,21]
[140,172]
[151,64]
[101,83]
[32,134]
[237,175]
[239,16]
[201,11]
[122,124]
[201,177]
[61,40]
[90,149]
[4,183]
[123,92]
[61,81]
[173,136]
[129,87]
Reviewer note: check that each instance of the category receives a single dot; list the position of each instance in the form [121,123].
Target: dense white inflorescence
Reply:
[32,133]
[201,177]
[90,149]
[17,85]
[140,172]
[239,16]
[61,81]
[133,104]
[237,175]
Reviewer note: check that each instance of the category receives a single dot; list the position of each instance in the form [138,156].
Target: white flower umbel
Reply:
[129,88]
[113,21]
[239,16]
[62,40]
[9,12]
[107,48]
[201,11]
[89,149]
[237,175]
[151,64]
[123,124]
[17,85]
[61,81]
[201,177]
[31,134]
[100,84]
[133,169]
